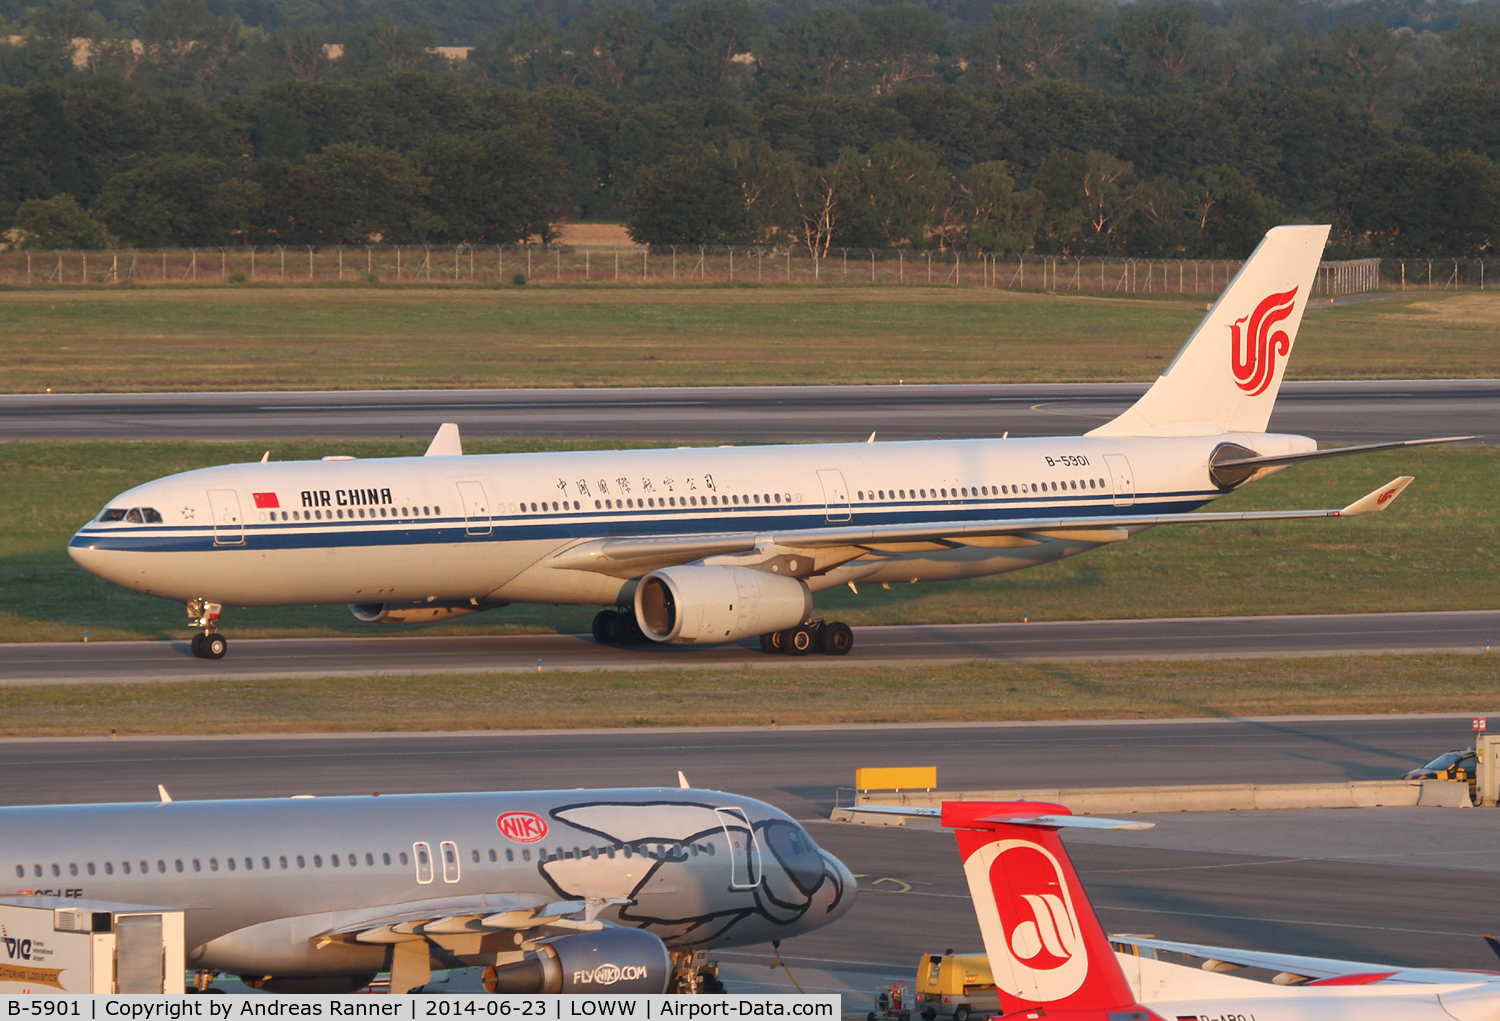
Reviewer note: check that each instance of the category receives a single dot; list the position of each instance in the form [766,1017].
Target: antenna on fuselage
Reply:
[871,439]
[265,458]
[166,799]
[682,781]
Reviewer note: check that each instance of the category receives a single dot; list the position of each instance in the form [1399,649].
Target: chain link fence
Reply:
[562,264]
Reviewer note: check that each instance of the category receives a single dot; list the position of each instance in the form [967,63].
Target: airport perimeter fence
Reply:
[563,264]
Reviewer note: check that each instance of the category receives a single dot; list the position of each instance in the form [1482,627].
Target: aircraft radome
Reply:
[711,545]
[550,891]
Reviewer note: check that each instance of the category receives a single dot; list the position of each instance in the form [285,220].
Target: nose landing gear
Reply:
[208,643]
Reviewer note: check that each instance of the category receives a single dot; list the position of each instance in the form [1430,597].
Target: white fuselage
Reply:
[484,527]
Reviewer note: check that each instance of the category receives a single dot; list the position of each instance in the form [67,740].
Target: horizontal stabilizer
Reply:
[1308,455]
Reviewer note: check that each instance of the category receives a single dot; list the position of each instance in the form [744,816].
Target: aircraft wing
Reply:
[629,557]
[398,923]
[1263,461]
[1295,969]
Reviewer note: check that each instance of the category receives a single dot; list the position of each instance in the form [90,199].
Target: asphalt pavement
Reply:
[1358,411]
[1055,641]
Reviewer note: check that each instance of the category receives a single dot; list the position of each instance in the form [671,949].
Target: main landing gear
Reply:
[208,643]
[617,627]
[832,638]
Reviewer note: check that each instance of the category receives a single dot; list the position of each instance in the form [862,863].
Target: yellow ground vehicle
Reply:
[955,985]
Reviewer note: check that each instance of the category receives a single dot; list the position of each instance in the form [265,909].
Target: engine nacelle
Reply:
[614,961]
[709,605]
[416,613]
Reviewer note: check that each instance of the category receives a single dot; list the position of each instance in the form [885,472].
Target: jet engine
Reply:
[614,960]
[418,612]
[708,605]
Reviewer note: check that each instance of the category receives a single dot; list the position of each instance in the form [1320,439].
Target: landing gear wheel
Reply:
[837,639]
[798,641]
[197,645]
[213,646]
[606,627]
[770,642]
[628,629]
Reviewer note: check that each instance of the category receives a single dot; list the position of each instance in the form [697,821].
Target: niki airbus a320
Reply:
[712,545]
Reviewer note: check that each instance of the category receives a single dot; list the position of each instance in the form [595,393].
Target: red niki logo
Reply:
[522,827]
[1030,919]
[1253,353]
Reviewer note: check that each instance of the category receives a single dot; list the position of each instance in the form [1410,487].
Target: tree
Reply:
[347,194]
[1030,39]
[696,52]
[822,51]
[58,223]
[1230,215]
[1412,202]
[1455,118]
[611,46]
[1161,47]
[176,201]
[1370,63]
[689,200]
[906,43]
[892,196]
[494,188]
[990,214]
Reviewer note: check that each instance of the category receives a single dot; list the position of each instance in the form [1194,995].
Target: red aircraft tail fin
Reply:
[1045,945]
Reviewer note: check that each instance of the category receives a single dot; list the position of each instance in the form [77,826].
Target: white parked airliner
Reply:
[710,545]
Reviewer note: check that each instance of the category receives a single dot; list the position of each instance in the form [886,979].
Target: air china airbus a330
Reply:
[702,546]
[550,891]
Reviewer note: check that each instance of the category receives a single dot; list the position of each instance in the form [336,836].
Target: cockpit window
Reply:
[112,514]
[797,853]
[152,516]
[134,517]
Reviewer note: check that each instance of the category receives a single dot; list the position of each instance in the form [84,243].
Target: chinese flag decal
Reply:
[266,501]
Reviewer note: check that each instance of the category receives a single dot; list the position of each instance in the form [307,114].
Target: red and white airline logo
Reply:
[1253,351]
[1028,920]
[1383,497]
[522,827]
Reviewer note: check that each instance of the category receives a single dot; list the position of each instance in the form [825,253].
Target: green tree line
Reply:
[1158,129]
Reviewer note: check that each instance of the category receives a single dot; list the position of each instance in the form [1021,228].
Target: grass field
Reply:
[346,337]
[1437,548]
[753,696]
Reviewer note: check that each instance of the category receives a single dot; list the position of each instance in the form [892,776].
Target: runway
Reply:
[1331,411]
[1401,885]
[1055,641]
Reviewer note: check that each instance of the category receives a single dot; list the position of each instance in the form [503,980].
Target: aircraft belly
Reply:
[343,574]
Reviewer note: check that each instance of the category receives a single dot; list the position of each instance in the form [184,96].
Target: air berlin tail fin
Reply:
[1226,377]
[1045,945]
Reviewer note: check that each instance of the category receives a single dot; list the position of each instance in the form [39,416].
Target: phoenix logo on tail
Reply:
[1253,354]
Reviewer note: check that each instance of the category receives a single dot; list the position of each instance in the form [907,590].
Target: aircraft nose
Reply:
[845,885]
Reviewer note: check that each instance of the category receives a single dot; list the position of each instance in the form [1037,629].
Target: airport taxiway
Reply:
[1332,411]
[1051,641]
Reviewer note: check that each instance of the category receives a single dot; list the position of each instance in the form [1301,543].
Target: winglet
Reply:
[446,443]
[1378,500]
[166,799]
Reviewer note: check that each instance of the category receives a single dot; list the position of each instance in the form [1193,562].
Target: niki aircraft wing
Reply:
[452,916]
[629,557]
